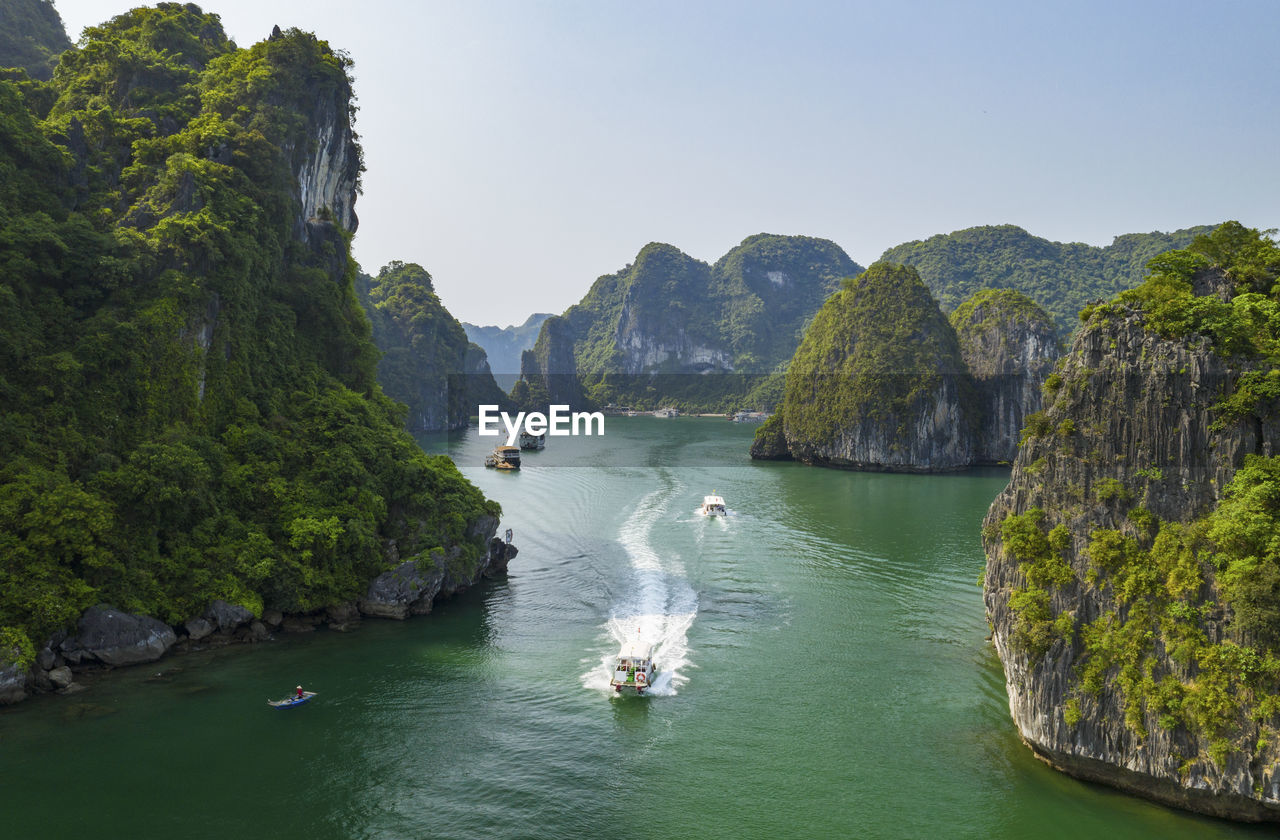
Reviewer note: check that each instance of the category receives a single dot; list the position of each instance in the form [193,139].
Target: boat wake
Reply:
[658,608]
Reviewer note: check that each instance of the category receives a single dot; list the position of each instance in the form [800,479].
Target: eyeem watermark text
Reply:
[559,423]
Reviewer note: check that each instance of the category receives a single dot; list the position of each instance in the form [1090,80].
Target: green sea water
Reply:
[823,674]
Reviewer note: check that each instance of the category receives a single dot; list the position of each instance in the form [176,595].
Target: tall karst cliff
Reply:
[882,381]
[189,410]
[427,362]
[1133,562]
[1009,345]
[663,328]
[878,381]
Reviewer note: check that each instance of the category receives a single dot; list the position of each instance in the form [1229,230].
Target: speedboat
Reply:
[633,667]
[713,506]
[504,458]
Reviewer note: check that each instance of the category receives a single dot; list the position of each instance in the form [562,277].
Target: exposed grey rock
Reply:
[272,618]
[61,677]
[114,637]
[46,659]
[198,628]
[256,632]
[227,617]
[1009,346]
[501,553]
[937,438]
[13,685]
[408,589]
[1141,418]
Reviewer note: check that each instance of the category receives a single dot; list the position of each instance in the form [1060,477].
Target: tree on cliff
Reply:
[1133,574]
[188,401]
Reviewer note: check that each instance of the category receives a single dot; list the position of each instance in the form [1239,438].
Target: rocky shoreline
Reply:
[107,638]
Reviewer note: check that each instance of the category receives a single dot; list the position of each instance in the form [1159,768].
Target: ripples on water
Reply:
[823,674]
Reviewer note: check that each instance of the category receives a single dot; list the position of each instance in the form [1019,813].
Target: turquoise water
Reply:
[824,674]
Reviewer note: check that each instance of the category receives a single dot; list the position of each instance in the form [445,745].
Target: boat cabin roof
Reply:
[507,449]
[712,500]
[636,650]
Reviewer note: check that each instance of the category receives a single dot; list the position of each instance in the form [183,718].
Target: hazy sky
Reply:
[520,149]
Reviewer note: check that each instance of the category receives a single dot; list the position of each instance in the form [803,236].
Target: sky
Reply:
[519,149]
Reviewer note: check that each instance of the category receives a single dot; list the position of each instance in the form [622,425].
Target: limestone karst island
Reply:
[919,370]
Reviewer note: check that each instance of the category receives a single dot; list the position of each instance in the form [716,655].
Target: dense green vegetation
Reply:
[1193,637]
[31,36]
[876,350]
[1241,318]
[1159,573]
[1061,277]
[188,401]
[427,362]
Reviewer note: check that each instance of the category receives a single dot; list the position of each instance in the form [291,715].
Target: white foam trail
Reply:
[659,609]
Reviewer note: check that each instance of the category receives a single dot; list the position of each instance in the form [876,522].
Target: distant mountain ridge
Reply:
[1061,277]
[504,345]
[647,334]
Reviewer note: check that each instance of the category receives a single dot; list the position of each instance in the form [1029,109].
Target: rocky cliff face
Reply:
[427,362]
[326,165]
[549,370]
[882,381]
[651,332]
[1009,345]
[878,381]
[504,345]
[1105,606]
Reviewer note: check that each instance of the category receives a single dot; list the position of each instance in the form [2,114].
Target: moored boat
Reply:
[633,667]
[713,505]
[528,441]
[504,458]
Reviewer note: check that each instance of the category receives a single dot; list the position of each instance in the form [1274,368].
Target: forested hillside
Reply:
[188,401]
[31,37]
[427,362]
[1061,277]
[1133,571]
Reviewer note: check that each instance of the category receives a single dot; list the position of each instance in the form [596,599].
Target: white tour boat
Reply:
[534,442]
[713,506]
[633,667]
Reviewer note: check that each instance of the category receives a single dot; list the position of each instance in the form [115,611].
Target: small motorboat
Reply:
[504,458]
[713,505]
[290,702]
[633,667]
[534,442]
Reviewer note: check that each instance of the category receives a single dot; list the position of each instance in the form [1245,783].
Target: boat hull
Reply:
[290,702]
